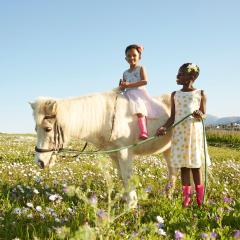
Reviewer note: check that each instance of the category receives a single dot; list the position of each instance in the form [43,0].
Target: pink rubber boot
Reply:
[186,195]
[142,124]
[200,194]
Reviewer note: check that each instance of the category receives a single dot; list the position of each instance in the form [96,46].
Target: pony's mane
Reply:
[93,110]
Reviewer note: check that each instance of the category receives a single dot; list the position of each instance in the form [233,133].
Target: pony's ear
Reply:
[32,104]
[50,107]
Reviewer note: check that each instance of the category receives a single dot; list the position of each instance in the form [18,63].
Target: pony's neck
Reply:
[87,117]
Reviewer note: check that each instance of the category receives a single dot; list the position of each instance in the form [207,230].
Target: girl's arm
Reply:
[170,121]
[142,82]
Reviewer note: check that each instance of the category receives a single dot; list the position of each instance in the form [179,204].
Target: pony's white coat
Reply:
[91,118]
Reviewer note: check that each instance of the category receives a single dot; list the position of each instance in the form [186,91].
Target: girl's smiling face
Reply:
[133,57]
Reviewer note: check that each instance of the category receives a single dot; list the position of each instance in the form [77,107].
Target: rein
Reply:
[58,138]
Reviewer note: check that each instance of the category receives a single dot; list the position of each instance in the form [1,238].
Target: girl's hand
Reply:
[123,85]
[161,131]
[198,115]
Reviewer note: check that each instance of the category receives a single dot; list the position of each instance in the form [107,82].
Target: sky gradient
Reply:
[70,48]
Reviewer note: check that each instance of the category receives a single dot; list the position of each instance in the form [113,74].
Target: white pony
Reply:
[105,120]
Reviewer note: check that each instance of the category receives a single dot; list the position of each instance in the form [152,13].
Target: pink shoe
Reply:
[186,195]
[200,194]
[142,124]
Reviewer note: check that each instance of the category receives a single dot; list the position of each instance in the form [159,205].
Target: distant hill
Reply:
[213,120]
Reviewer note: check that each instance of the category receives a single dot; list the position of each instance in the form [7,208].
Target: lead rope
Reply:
[147,140]
[205,156]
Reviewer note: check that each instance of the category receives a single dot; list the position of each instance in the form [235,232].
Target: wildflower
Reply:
[178,235]
[39,208]
[30,215]
[17,211]
[35,191]
[30,205]
[70,190]
[55,197]
[237,234]
[37,179]
[227,200]
[213,235]
[159,219]
[161,232]
[54,214]
[70,210]
[50,210]
[204,235]
[148,189]
[93,200]
[102,215]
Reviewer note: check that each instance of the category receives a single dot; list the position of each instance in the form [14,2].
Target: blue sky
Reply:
[70,48]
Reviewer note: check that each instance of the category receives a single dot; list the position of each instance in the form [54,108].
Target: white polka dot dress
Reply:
[187,139]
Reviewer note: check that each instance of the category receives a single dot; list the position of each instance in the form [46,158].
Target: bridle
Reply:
[58,137]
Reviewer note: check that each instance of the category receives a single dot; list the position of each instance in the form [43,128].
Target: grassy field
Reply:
[81,198]
[224,137]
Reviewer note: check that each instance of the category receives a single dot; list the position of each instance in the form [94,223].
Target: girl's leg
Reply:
[198,184]
[185,176]
[197,176]
[142,124]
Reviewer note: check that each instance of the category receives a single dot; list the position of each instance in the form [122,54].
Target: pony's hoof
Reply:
[132,200]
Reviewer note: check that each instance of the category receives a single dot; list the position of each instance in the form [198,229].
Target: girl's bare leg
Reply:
[185,176]
[196,172]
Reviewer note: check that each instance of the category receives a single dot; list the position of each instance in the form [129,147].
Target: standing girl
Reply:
[187,150]
[133,87]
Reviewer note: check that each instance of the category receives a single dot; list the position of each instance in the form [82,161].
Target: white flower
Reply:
[192,67]
[161,232]
[159,219]
[39,208]
[35,191]
[54,197]
[30,205]
[30,215]
[17,211]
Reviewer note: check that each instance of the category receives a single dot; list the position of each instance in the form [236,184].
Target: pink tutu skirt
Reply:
[141,102]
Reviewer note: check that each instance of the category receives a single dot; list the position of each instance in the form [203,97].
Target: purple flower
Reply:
[204,235]
[237,234]
[217,218]
[101,213]
[93,200]
[227,200]
[213,235]
[178,235]
[148,189]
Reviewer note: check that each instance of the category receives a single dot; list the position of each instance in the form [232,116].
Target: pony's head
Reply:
[50,137]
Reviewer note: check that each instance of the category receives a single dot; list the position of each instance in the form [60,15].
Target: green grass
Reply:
[224,137]
[81,198]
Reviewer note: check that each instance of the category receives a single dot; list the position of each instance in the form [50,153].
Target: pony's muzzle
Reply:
[40,163]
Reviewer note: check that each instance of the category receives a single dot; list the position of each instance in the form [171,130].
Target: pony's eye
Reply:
[48,129]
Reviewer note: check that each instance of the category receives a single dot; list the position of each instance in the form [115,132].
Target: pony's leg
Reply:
[125,162]
[172,174]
